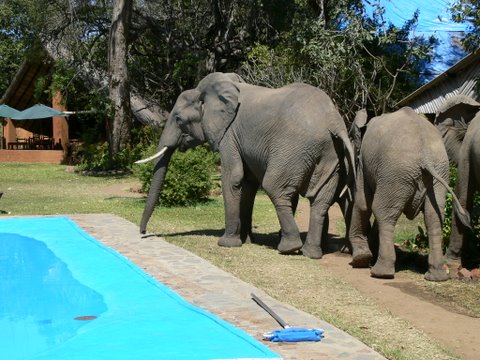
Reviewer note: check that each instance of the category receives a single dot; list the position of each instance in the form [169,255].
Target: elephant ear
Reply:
[220,97]
[361,118]
[458,108]
[358,128]
[452,121]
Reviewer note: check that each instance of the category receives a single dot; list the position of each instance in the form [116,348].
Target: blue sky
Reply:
[434,19]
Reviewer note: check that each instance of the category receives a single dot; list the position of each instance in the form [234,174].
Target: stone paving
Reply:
[206,286]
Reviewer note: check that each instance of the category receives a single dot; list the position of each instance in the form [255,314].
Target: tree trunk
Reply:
[143,110]
[118,75]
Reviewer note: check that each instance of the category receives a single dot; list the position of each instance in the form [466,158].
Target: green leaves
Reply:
[360,60]
[189,179]
[468,10]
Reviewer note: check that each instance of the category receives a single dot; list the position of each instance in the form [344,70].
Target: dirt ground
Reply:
[403,298]
[459,332]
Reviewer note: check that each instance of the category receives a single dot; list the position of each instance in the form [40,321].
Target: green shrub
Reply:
[96,157]
[190,177]
[475,213]
[447,223]
[471,250]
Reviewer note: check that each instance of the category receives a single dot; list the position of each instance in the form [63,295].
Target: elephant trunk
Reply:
[159,172]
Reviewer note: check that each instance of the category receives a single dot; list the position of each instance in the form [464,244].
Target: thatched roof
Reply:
[20,93]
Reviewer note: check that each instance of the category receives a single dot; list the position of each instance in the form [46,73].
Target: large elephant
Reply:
[459,123]
[403,168]
[289,141]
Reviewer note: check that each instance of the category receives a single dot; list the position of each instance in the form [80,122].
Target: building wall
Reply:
[33,156]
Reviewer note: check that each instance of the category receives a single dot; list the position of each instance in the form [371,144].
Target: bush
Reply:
[447,223]
[190,177]
[96,157]
[471,249]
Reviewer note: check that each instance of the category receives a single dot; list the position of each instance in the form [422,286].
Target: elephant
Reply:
[290,141]
[403,168]
[452,120]
[459,123]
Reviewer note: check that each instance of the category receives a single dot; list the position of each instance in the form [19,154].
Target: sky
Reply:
[434,19]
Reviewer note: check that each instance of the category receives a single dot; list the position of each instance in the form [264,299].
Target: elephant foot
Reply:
[383,270]
[361,257]
[289,245]
[230,241]
[312,252]
[436,275]
[248,239]
[361,260]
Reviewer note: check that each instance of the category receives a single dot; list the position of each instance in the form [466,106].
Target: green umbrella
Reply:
[38,111]
[8,112]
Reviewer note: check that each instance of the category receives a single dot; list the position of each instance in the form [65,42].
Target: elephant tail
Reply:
[350,155]
[462,214]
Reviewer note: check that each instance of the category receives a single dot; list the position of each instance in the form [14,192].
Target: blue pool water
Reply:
[64,295]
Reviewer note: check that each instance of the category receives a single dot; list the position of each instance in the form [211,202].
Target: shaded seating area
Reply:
[37,142]
[30,128]
[36,129]
[31,131]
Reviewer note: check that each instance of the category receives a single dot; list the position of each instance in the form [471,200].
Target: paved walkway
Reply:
[206,286]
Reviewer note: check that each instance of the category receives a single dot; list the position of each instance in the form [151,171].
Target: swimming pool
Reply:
[64,295]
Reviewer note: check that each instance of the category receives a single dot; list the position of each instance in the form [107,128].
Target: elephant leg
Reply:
[318,223]
[232,182]
[290,236]
[385,265]
[346,206]
[358,233]
[465,193]
[386,217]
[360,224]
[249,190]
[433,216]
[295,199]
[283,200]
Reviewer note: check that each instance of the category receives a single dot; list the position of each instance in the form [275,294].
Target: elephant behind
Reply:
[403,168]
[459,123]
[290,141]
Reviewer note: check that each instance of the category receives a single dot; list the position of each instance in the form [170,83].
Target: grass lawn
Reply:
[50,189]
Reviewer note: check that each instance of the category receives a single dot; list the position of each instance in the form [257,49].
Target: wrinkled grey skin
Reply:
[403,168]
[452,121]
[289,141]
[459,123]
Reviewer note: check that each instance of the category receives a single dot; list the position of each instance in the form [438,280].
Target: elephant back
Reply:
[402,137]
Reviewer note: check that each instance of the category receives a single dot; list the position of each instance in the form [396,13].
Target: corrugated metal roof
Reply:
[460,79]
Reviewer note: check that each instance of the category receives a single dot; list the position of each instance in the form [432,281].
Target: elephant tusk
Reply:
[343,191]
[153,157]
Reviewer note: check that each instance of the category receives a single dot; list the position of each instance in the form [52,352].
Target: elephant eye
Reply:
[178,120]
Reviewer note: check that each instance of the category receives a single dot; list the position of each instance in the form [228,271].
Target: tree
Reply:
[17,38]
[468,10]
[359,60]
[118,75]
